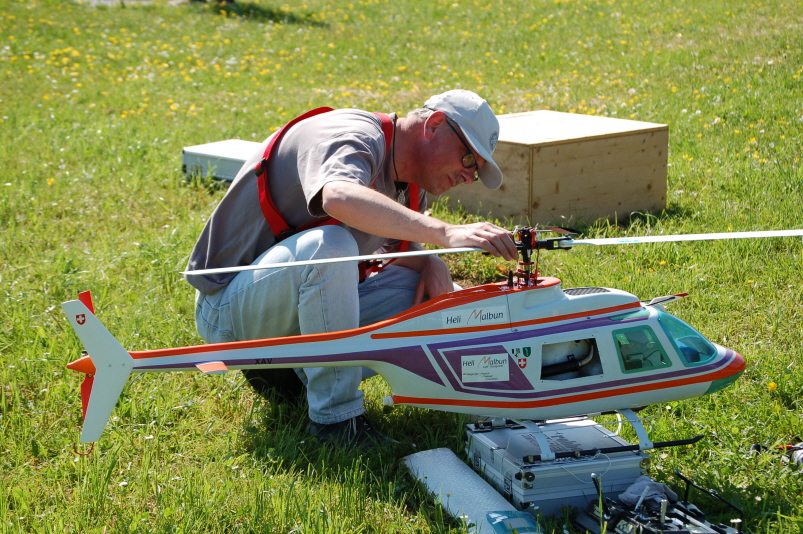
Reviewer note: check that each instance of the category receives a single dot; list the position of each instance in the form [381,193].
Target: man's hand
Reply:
[434,280]
[493,239]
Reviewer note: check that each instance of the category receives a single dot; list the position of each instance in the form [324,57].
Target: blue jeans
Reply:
[312,299]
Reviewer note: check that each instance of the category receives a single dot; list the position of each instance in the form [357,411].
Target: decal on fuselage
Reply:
[474,316]
[485,368]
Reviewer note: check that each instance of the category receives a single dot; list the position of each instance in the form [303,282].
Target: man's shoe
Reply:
[356,431]
[281,385]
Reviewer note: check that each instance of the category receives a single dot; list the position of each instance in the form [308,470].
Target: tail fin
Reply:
[112,363]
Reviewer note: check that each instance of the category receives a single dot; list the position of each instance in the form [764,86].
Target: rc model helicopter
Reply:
[524,349]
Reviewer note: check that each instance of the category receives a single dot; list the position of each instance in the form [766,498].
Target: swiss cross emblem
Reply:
[80,318]
[522,362]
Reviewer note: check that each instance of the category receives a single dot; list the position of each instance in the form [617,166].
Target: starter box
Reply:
[565,168]
[507,458]
[221,160]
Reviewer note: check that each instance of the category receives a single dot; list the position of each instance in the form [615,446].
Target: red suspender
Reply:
[277,223]
[412,192]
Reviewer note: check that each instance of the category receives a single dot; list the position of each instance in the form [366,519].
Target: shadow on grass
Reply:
[279,441]
[262,13]
[210,184]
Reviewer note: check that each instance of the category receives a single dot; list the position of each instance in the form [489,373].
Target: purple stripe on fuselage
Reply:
[412,359]
[440,349]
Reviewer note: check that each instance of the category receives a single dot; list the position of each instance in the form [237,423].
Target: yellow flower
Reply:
[772,386]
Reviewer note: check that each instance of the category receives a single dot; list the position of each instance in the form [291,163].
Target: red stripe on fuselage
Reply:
[519,324]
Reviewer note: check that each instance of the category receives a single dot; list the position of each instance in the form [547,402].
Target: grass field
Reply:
[97,101]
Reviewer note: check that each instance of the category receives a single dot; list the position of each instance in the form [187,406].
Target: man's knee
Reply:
[328,242]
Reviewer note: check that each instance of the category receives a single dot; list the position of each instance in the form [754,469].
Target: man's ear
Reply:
[433,122]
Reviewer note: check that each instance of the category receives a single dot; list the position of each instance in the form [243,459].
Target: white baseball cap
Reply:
[478,123]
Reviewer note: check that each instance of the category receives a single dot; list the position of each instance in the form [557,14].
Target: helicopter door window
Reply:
[693,348]
[570,359]
[639,350]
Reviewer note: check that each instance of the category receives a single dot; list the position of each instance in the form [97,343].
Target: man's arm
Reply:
[435,279]
[370,211]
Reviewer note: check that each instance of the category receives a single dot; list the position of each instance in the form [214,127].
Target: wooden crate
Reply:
[563,168]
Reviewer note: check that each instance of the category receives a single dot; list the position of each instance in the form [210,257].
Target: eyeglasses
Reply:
[469,161]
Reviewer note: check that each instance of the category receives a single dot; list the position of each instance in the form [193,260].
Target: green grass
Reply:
[96,103]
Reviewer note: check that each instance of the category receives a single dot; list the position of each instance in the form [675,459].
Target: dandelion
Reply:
[772,386]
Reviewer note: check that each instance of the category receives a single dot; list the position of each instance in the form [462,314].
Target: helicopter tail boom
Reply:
[107,367]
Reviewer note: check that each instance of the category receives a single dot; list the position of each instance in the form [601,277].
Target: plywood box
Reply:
[564,168]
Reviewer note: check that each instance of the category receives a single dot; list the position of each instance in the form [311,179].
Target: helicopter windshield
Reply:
[690,344]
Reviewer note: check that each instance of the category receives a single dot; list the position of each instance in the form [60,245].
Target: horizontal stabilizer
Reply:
[112,362]
[213,368]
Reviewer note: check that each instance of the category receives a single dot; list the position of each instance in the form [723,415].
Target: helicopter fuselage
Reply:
[536,352]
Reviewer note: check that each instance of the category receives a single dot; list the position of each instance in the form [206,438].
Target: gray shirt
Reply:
[346,144]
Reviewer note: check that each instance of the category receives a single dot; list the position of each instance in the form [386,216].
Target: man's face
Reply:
[448,160]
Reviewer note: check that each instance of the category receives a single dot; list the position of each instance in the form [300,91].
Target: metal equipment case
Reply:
[503,456]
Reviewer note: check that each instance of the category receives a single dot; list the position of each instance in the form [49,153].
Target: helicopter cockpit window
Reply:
[693,348]
[639,350]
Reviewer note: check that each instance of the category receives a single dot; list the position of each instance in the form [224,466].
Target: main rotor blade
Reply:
[243,268]
[674,238]
[666,299]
